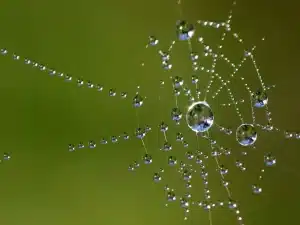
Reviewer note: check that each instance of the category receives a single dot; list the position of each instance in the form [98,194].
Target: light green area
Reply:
[104,41]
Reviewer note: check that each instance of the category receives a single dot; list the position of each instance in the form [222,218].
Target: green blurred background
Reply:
[104,41]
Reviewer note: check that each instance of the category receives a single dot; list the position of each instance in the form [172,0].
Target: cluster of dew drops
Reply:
[246,135]
[80,82]
[6,156]
[186,170]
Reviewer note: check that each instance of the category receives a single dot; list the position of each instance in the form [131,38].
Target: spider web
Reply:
[213,75]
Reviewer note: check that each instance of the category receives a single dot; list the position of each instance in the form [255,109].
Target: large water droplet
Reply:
[200,117]
[246,134]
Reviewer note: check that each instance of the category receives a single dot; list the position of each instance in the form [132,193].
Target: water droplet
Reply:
[112,92]
[177,82]
[240,165]
[136,164]
[260,99]
[227,151]
[114,139]
[172,161]
[269,159]
[194,57]
[176,114]
[99,87]
[195,79]
[246,135]
[225,183]
[153,41]
[71,148]
[68,78]
[288,134]
[157,177]
[138,101]
[51,72]
[35,64]
[80,82]
[220,203]
[176,91]
[42,67]
[185,144]
[27,61]
[92,144]
[171,197]
[199,117]
[131,167]
[166,65]
[125,136]
[3,51]
[187,175]
[297,135]
[203,174]
[188,195]
[90,84]
[198,159]
[184,30]
[256,189]
[187,92]
[16,57]
[80,145]
[103,141]
[166,147]
[147,129]
[232,204]
[123,94]
[140,133]
[188,185]
[165,56]
[179,137]
[147,159]
[6,156]
[184,203]
[223,170]
[189,155]
[163,127]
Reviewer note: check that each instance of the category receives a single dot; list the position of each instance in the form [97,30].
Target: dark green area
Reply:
[104,41]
